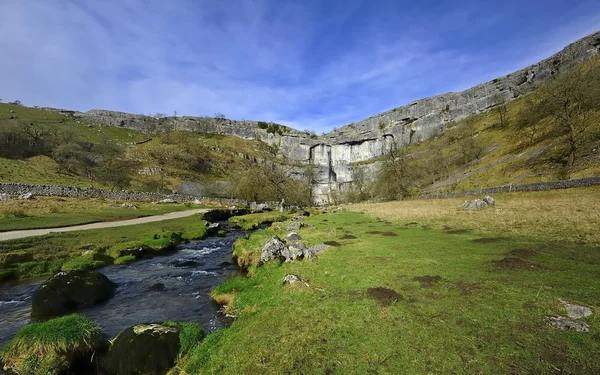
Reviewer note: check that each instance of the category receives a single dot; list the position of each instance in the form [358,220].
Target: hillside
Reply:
[206,163]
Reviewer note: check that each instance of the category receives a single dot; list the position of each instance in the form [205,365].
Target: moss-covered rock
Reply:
[53,347]
[68,291]
[149,349]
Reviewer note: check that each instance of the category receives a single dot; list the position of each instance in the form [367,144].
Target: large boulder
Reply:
[475,205]
[295,226]
[273,249]
[26,196]
[68,291]
[4,197]
[293,251]
[293,236]
[148,349]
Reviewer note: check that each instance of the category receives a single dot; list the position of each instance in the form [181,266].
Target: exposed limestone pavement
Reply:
[13,235]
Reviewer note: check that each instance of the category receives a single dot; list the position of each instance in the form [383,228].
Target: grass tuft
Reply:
[49,348]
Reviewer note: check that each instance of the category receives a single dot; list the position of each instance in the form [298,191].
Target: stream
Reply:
[188,275]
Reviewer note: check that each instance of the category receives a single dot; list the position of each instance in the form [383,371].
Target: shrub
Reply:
[51,347]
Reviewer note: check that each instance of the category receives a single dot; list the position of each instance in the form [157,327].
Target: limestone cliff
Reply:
[334,153]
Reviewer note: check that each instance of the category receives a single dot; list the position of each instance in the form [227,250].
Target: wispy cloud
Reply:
[306,64]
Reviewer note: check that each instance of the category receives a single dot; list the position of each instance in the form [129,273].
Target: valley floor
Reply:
[421,288]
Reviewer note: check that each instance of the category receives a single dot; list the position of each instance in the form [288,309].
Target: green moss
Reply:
[49,348]
[124,259]
[253,221]
[82,263]
[190,335]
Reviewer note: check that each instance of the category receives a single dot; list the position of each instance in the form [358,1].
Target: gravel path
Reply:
[5,236]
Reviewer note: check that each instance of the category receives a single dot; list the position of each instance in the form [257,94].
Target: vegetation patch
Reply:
[384,296]
[523,252]
[348,237]
[512,262]
[490,239]
[332,243]
[50,348]
[253,221]
[428,281]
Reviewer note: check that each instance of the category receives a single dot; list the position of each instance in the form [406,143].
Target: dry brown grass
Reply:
[562,215]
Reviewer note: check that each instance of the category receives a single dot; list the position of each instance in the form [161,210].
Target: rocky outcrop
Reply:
[68,291]
[334,153]
[149,349]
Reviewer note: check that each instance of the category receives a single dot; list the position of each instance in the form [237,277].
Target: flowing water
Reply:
[188,275]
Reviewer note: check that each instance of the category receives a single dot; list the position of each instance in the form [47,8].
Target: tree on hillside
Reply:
[501,109]
[570,101]
[396,178]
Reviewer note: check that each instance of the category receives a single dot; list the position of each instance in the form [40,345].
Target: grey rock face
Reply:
[273,249]
[26,196]
[293,279]
[4,197]
[475,205]
[293,237]
[561,322]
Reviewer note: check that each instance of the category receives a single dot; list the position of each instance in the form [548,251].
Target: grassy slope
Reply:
[225,153]
[52,212]
[478,318]
[508,157]
[44,255]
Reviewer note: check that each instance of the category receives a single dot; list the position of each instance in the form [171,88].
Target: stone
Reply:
[4,197]
[577,311]
[136,251]
[561,322]
[290,279]
[69,291]
[311,252]
[474,205]
[166,201]
[293,251]
[129,205]
[149,349]
[293,236]
[295,226]
[26,196]
[273,249]
[489,200]
[213,228]
[158,287]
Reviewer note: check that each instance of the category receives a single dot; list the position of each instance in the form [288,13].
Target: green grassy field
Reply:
[53,212]
[463,301]
[45,255]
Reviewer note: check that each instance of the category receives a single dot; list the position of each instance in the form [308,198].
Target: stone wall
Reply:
[76,192]
[537,186]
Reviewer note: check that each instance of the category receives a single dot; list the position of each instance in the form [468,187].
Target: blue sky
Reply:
[308,64]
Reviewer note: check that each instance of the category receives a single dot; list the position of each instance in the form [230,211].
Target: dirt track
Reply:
[5,236]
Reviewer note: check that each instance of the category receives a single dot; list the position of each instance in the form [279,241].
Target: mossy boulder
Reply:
[68,291]
[58,346]
[149,349]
